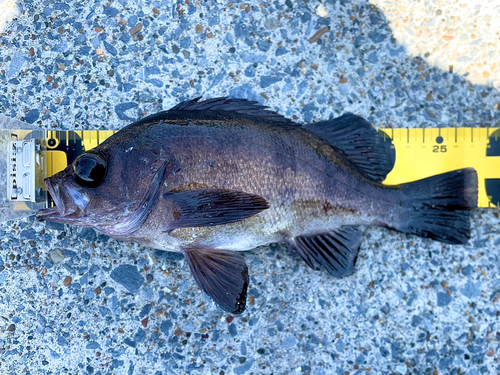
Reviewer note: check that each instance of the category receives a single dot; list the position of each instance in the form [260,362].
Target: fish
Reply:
[213,178]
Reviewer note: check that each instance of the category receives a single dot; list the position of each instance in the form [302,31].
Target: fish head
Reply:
[103,186]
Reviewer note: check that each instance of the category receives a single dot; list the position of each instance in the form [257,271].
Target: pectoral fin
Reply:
[337,250]
[209,207]
[223,275]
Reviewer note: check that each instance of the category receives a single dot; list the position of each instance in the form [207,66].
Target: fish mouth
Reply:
[47,214]
[60,212]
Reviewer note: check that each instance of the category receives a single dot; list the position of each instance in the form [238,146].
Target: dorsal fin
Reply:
[360,142]
[227,108]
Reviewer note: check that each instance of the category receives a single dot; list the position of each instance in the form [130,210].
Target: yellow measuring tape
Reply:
[420,153]
[64,145]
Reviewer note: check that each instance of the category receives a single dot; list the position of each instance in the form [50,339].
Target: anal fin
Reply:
[221,274]
[337,250]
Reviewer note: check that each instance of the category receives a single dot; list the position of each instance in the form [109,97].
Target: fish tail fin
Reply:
[438,207]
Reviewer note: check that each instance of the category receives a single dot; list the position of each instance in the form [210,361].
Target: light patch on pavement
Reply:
[462,36]
[9,9]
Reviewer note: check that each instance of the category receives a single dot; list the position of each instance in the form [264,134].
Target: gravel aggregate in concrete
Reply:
[73,301]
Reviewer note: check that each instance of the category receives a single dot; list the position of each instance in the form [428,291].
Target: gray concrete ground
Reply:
[413,306]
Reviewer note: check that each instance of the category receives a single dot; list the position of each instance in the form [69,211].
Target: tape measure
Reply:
[420,153]
[34,155]
[62,147]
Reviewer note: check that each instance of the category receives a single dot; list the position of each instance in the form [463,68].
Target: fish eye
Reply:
[90,169]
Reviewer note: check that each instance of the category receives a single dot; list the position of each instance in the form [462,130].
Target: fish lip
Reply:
[48,214]
[59,211]
[54,193]
[53,212]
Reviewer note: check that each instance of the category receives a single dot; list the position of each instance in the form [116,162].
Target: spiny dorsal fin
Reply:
[236,107]
[360,142]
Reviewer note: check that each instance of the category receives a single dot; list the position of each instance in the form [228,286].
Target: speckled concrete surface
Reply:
[414,306]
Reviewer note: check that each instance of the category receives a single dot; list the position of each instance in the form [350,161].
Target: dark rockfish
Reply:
[216,177]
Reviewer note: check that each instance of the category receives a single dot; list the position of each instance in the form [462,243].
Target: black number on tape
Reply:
[437,148]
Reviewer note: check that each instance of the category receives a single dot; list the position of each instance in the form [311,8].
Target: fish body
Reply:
[215,177]
[279,163]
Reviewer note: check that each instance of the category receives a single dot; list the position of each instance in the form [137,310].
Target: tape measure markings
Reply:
[428,152]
